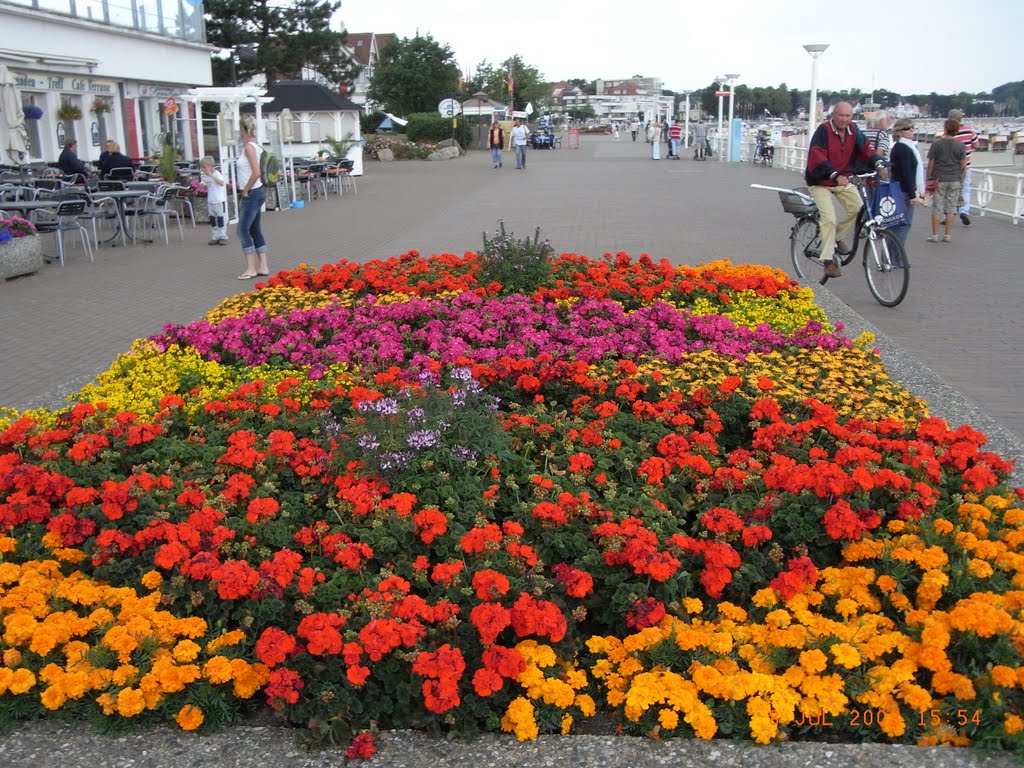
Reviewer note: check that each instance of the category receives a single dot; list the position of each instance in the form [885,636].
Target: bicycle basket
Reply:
[796,204]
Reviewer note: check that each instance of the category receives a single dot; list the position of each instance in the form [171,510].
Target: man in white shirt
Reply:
[520,134]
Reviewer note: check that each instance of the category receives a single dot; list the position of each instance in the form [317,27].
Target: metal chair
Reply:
[184,200]
[156,208]
[121,174]
[102,209]
[64,219]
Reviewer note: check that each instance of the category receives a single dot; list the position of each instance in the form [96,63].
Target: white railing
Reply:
[992,192]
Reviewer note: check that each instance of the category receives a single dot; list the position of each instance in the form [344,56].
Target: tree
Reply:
[414,75]
[283,40]
[527,85]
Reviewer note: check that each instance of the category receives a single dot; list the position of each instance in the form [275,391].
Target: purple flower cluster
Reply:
[375,336]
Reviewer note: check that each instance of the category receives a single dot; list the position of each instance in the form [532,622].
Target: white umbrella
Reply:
[14,118]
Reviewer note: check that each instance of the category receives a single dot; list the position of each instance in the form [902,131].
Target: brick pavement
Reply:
[962,317]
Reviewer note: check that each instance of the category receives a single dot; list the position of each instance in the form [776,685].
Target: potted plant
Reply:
[101,105]
[21,251]
[69,111]
[68,114]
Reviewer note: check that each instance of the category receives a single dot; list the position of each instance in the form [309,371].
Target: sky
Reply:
[942,45]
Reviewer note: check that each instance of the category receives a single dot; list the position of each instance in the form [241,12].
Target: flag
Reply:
[529,108]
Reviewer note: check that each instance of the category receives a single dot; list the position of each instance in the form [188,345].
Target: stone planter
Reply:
[21,256]
[200,209]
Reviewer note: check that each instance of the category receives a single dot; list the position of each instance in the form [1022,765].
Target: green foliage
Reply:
[285,38]
[413,75]
[168,156]
[437,429]
[371,122]
[520,266]
[402,150]
[430,126]
[341,147]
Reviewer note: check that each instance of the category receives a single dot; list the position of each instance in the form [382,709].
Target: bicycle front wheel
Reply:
[886,267]
[804,246]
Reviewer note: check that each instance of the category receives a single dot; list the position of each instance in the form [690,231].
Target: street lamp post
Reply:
[686,123]
[721,93]
[815,50]
[731,79]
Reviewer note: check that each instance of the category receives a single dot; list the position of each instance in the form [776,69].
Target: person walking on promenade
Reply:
[675,134]
[835,146]
[520,133]
[967,136]
[906,168]
[700,138]
[878,133]
[634,128]
[615,130]
[947,164]
[247,176]
[496,142]
[654,137]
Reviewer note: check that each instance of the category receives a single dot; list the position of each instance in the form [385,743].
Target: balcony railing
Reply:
[169,18]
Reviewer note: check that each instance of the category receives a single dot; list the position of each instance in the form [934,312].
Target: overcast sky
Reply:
[908,47]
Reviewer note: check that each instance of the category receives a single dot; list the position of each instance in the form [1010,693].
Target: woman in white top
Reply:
[247,173]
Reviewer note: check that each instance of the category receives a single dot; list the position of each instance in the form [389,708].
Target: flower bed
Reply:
[396,495]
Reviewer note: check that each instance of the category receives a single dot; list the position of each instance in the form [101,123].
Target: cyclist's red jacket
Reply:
[830,156]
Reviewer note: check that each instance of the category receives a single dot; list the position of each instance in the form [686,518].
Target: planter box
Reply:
[200,209]
[21,256]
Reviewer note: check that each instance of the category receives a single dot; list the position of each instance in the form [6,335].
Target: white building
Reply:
[620,101]
[136,58]
[365,48]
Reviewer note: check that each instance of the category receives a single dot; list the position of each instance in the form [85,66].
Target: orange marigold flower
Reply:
[189,717]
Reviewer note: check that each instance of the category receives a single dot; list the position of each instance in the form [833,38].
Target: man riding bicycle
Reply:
[837,144]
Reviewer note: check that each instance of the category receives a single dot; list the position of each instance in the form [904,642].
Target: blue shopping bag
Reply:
[888,204]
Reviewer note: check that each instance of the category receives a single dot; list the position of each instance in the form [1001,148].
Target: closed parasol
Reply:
[13,117]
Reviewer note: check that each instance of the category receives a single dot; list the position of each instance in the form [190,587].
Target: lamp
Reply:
[815,50]
[720,80]
[731,80]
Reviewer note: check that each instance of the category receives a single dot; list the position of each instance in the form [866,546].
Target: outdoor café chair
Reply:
[64,218]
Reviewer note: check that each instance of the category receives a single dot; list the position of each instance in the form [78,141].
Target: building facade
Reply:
[616,101]
[365,48]
[100,69]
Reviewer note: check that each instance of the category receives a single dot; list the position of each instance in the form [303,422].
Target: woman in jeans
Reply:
[908,170]
[247,173]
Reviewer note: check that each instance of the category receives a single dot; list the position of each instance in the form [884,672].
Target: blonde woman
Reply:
[250,188]
[111,159]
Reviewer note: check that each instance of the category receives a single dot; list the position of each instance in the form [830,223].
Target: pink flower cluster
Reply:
[375,336]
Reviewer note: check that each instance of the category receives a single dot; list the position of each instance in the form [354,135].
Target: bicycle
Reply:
[764,153]
[886,267]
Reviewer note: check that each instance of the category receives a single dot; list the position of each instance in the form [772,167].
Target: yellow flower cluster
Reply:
[835,651]
[108,644]
[853,381]
[784,312]
[546,681]
[139,379]
[277,300]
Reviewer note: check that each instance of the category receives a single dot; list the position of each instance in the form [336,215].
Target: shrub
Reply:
[425,126]
[520,266]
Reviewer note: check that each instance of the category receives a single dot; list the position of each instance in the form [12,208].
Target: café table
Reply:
[26,207]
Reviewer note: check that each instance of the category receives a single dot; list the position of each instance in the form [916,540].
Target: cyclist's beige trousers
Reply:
[849,203]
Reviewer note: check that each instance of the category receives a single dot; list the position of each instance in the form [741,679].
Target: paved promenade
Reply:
[956,340]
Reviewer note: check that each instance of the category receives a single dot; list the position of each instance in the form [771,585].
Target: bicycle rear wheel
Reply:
[886,267]
[803,240]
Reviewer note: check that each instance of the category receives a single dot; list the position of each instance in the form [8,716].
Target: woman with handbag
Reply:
[908,170]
